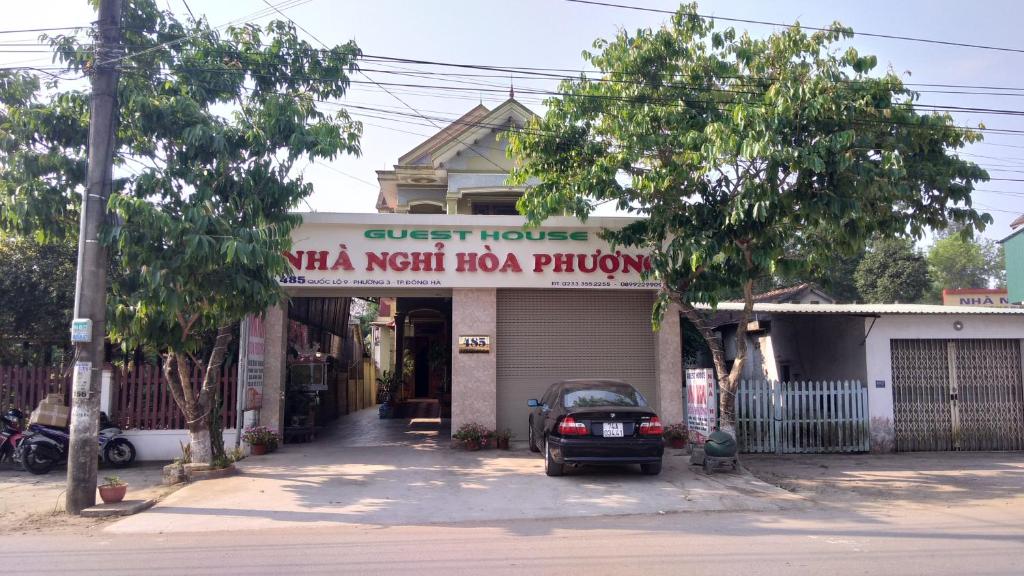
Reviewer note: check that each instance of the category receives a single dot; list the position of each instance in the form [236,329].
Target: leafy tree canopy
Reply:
[37,287]
[958,262]
[747,156]
[892,271]
[210,131]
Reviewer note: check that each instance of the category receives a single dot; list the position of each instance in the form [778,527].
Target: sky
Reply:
[553,33]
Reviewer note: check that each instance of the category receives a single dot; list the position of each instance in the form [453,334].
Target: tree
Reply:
[211,127]
[837,280]
[892,271]
[748,157]
[958,262]
[37,288]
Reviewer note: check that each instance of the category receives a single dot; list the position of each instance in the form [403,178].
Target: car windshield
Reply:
[610,396]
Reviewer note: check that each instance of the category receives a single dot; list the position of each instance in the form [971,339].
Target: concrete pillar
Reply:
[275,324]
[398,368]
[669,357]
[108,394]
[474,376]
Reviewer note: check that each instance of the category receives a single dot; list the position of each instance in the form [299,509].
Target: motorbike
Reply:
[10,436]
[43,447]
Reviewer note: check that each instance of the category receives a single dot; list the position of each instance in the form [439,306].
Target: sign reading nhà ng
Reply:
[409,251]
[475,344]
[701,402]
[998,298]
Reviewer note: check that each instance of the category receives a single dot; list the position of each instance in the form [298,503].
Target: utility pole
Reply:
[91,277]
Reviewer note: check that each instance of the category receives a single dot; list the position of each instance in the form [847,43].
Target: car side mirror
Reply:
[532,403]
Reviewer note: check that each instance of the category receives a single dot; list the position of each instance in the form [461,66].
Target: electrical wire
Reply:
[815,28]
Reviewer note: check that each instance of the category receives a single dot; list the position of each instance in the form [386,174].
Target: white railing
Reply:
[795,417]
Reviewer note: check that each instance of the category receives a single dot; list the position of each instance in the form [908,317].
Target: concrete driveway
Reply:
[882,480]
[382,473]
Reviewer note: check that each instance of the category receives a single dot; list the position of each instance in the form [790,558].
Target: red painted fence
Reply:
[142,399]
[23,387]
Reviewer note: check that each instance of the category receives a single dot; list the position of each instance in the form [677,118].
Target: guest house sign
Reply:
[404,251]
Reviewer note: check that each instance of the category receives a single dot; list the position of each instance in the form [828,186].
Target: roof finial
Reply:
[511,88]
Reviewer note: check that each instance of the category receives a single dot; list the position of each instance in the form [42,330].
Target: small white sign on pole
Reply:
[81,381]
[701,403]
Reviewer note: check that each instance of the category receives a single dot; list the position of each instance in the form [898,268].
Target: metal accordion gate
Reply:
[958,394]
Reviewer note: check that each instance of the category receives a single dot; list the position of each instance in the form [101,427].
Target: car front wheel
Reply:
[551,468]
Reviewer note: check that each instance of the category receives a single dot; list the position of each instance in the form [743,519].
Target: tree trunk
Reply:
[199,442]
[197,414]
[210,392]
[731,384]
[728,380]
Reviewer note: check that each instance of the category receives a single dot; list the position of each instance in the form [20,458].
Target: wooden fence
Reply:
[143,400]
[795,417]
[23,387]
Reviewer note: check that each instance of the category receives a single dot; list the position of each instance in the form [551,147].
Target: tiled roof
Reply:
[786,294]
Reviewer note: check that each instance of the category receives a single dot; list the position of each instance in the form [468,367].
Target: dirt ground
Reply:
[923,478]
[31,503]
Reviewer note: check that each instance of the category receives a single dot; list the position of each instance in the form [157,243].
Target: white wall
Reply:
[165,444]
[820,347]
[890,327]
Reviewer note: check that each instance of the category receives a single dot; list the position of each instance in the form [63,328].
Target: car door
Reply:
[540,414]
[550,410]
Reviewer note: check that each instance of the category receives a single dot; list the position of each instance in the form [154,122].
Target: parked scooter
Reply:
[46,446]
[10,436]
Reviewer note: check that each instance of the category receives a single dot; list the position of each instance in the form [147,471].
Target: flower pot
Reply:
[111,494]
[677,443]
[257,449]
[471,445]
[502,443]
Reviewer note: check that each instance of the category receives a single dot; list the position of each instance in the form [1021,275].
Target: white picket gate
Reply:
[808,417]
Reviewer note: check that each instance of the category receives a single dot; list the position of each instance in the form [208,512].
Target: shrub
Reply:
[260,435]
[472,433]
[676,432]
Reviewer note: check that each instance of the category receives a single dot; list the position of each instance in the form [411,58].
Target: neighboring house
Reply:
[933,377]
[1014,246]
[806,293]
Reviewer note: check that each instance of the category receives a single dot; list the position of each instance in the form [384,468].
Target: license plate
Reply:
[613,429]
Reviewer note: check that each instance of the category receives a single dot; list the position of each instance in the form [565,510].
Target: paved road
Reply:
[927,540]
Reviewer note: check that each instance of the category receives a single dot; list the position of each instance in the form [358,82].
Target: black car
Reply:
[595,422]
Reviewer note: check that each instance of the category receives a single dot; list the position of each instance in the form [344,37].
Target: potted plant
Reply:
[676,435]
[260,439]
[112,490]
[472,436]
[502,438]
[387,387]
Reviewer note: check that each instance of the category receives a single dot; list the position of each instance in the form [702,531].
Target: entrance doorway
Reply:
[422,330]
[348,354]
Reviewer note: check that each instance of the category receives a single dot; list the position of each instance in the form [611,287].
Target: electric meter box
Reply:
[81,330]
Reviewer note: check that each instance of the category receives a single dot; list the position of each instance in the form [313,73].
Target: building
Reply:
[479,314]
[452,264]
[931,377]
[1014,246]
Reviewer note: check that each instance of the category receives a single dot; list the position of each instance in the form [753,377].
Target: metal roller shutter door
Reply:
[958,394]
[548,335]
